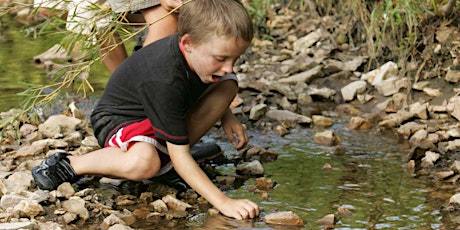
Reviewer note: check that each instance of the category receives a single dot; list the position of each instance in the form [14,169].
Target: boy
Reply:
[162,100]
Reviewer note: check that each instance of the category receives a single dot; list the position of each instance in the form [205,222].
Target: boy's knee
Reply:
[143,166]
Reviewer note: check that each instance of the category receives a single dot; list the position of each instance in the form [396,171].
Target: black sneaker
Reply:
[54,171]
[202,152]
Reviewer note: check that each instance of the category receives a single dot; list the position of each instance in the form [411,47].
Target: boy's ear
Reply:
[186,42]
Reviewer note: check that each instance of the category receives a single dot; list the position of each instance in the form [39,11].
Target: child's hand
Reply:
[232,127]
[240,209]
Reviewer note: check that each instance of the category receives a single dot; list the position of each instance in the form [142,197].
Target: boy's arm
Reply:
[188,169]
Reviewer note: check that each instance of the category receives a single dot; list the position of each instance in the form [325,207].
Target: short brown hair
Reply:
[203,18]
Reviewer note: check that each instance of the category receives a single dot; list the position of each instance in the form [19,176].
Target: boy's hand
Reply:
[240,209]
[233,127]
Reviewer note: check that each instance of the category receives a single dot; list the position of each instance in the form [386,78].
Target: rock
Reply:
[76,205]
[17,182]
[326,137]
[359,123]
[324,92]
[455,199]
[258,111]
[327,221]
[306,76]
[111,220]
[250,168]
[11,200]
[59,126]
[284,115]
[18,225]
[351,90]
[265,183]
[283,218]
[391,85]
[453,74]
[380,74]
[29,208]
[430,158]
[66,190]
[175,204]
[344,212]
[159,206]
[280,130]
[322,121]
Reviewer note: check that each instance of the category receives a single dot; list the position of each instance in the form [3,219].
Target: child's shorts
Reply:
[141,131]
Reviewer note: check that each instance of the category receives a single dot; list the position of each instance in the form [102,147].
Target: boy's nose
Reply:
[228,67]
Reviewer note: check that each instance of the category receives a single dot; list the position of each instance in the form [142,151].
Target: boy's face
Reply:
[215,57]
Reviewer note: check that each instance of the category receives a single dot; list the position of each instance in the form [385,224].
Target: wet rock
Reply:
[327,137]
[175,204]
[265,183]
[111,220]
[327,221]
[359,123]
[225,180]
[250,168]
[344,212]
[283,218]
[159,206]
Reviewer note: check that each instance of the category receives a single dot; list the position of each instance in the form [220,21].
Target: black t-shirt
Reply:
[155,82]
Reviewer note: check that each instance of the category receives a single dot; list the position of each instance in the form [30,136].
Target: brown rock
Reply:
[283,218]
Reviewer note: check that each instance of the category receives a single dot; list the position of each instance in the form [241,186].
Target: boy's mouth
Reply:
[215,78]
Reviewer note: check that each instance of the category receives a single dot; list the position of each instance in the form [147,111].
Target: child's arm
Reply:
[189,170]
[232,126]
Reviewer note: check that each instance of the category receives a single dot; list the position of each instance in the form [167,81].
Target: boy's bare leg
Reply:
[159,29]
[210,109]
[140,162]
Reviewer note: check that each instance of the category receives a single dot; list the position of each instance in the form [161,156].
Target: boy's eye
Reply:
[221,59]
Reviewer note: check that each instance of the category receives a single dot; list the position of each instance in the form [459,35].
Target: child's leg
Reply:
[140,162]
[210,109]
